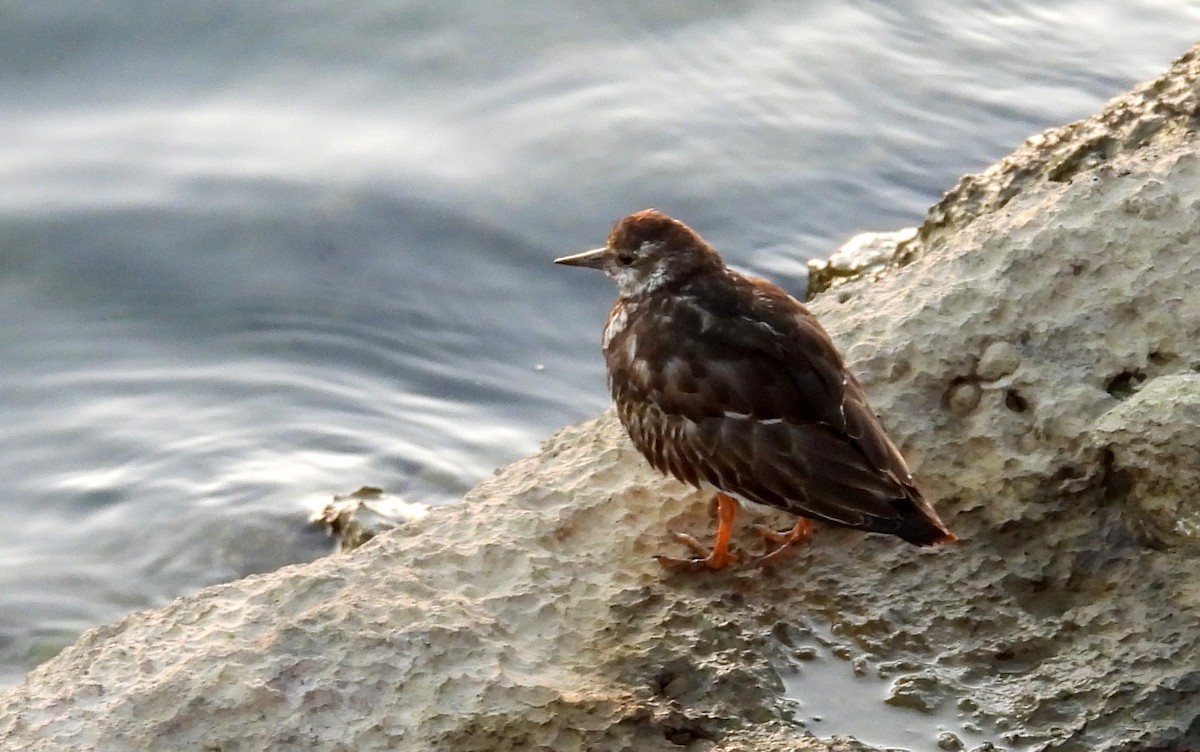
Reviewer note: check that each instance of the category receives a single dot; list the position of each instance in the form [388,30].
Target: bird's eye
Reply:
[624,258]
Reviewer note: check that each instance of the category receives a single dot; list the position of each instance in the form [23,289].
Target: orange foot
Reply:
[719,556]
[788,540]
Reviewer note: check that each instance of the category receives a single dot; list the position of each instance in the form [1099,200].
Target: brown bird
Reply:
[728,383]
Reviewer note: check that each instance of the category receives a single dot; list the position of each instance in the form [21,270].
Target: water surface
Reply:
[252,255]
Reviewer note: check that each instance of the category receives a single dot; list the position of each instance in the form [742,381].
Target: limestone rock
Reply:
[865,253]
[357,517]
[1160,111]
[531,616]
[1156,457]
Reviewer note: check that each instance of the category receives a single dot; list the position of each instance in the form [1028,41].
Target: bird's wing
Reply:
[765,408]
[761,355]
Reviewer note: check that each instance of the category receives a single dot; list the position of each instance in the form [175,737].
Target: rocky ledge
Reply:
[1037,360]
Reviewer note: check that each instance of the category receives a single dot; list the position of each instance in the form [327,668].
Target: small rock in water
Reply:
[949,742]
[920,692]
[862,254]
[357,517]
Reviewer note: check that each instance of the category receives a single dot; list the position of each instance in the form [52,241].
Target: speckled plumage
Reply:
[724,380]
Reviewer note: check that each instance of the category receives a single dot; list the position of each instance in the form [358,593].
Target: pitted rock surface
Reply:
[532,616]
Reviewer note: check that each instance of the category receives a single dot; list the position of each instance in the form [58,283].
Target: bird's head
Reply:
[647,251]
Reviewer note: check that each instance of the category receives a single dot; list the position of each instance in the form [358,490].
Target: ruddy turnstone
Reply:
[728,383]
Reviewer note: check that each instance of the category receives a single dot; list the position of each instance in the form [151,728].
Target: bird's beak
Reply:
[592,259]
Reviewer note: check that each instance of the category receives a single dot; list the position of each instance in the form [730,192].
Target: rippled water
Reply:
[255,254]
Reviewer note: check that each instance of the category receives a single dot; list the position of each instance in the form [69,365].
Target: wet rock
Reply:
[920,692]
[532,616]
[357,517]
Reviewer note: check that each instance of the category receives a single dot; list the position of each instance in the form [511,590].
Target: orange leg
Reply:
[719,556]
[787,540]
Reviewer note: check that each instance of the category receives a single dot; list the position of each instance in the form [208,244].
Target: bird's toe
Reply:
[788,541]
[712,559]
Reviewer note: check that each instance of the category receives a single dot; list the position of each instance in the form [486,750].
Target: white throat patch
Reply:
[632,282]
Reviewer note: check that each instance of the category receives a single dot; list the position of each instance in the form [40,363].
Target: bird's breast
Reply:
[628,349]
[618,322]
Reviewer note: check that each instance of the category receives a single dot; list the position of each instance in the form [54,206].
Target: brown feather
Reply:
[727,380]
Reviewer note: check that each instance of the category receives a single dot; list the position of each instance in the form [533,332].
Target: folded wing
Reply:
[755,400]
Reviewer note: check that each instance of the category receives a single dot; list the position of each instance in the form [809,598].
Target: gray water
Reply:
[255,254]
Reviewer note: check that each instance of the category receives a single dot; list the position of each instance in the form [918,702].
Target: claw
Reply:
[692,543]
[713,559]
[788,541]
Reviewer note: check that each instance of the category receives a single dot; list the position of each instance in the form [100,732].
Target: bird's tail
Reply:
[920,525]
